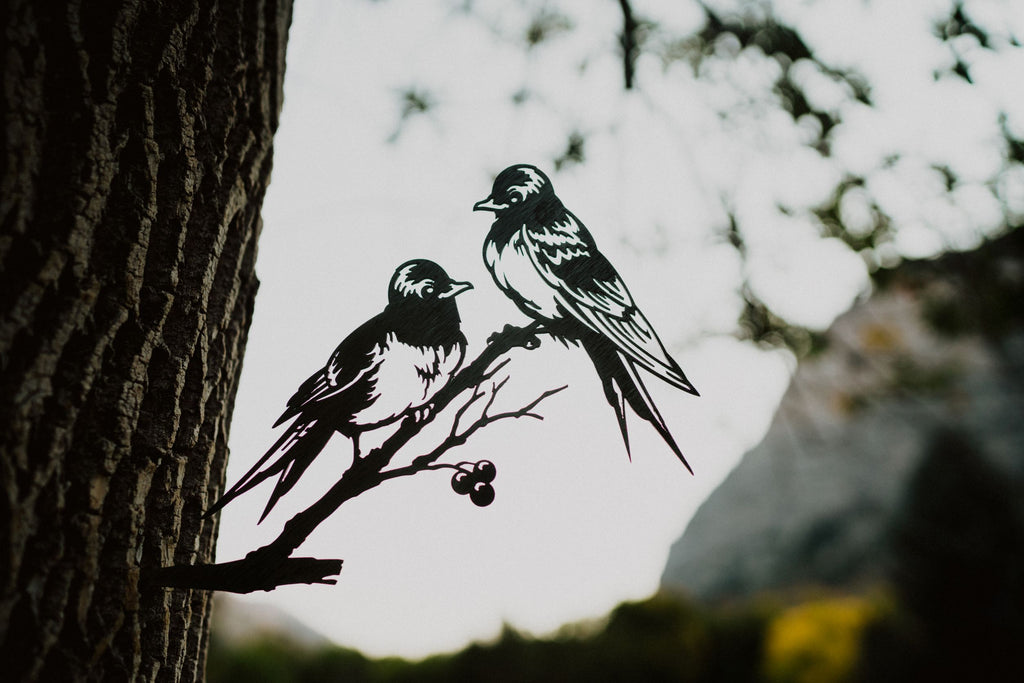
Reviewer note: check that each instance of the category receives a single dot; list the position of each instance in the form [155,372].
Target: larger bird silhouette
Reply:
[392,364]
[544,259]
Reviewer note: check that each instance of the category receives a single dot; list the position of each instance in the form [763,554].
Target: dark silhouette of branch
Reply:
[254,572]
[272,565]
[455,438]
[629,43]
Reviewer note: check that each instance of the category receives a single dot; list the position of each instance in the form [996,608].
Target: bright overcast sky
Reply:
[576,528]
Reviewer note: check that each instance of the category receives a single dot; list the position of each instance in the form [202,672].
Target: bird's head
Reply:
[515,187]
[423,281]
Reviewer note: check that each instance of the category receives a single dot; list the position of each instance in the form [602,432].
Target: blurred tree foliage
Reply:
[731,34]
[958,571]
[825,639]
[817,640]
[661,639]
[979,292]
[754,26]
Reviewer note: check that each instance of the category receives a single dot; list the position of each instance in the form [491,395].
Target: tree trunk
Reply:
[138,149]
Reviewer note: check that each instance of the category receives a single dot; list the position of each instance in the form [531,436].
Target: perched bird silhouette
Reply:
[390,365]
[547,262]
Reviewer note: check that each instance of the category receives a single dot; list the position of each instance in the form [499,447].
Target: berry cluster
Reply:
[475,482]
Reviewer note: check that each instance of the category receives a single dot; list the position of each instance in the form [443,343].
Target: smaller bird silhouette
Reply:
[546,261]
[390,365]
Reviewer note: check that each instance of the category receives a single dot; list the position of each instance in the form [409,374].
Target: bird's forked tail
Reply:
[622,384]
[296,448]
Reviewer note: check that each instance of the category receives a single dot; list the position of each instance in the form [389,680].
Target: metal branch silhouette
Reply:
[272,565]
[403,366]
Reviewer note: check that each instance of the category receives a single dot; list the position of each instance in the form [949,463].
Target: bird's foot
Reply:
[525,337]
[423,413]
[508,329]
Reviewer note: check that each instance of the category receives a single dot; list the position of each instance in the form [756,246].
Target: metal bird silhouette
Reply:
[392,364]
[546,261]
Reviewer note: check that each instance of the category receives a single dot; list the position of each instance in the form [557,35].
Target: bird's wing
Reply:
[588,287]
[357,356]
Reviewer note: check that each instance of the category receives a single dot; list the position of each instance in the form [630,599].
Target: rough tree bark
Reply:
[138,149]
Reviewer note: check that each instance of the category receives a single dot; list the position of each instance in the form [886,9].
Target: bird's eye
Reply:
[428,290]
[514,199]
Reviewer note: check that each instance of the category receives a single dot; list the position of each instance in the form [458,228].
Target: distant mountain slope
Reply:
[237,621]
[937,348]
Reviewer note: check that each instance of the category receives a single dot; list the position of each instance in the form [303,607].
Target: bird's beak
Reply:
[489,205]
[454,289]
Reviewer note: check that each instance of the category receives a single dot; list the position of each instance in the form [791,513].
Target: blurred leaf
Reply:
[1014,145]
[759,324]
[573,153]
[958,24]
[544,25]
[832,225]
[817,642]
[415,102]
